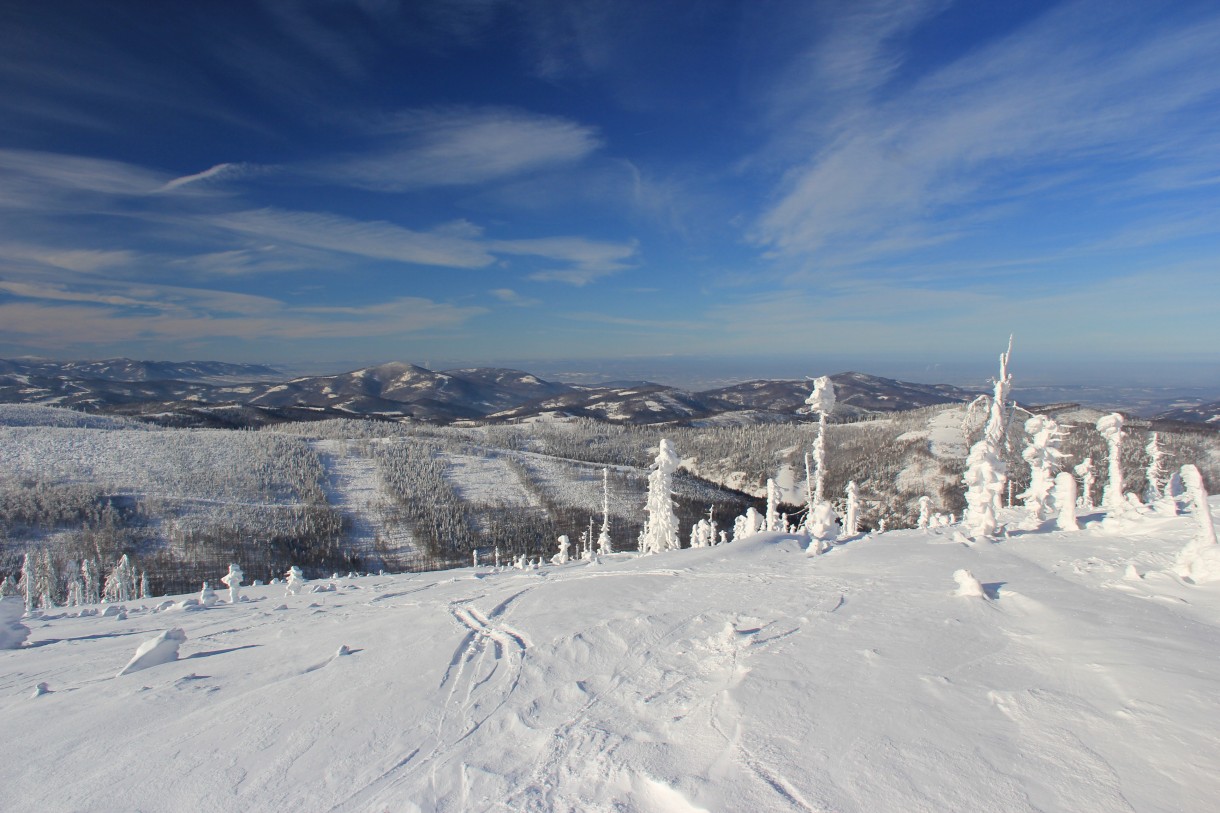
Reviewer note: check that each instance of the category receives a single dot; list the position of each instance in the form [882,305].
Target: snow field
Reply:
[740,677]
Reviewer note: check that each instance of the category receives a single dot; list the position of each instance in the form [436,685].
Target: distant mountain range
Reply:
[206,393]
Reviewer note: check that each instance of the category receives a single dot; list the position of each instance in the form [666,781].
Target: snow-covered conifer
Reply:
[604,544]
[925,513]
[8,588]
[772,506]
[28,584]
[207,596]
[562,557]
[120,583]
[1065,499]
[295,581]
[1155,472]
[823,528]
[1200,559]
[1111,429]
[661,527]
[822,402]
[1084,470]
[233,580]
[12,632]
[851,519]
[1043,456]
[986,472]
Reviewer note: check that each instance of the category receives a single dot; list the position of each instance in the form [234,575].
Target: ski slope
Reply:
[746,677]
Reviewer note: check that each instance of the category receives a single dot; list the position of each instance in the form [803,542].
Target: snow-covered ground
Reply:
[353,487]
[746,677]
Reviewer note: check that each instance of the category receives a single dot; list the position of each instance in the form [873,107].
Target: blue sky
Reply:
[762,185]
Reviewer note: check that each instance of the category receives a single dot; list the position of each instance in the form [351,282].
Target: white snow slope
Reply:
[745,677]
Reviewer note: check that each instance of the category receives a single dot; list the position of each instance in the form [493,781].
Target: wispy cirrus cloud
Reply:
[586,260]
[460,147]
[1055,105]
[373,239]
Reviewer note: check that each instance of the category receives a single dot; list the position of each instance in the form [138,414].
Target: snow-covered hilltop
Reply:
[747,676]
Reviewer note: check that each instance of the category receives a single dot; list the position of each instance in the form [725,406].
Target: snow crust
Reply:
[741,677]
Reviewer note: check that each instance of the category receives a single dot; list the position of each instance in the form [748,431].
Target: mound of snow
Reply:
[156,651]
[12,632]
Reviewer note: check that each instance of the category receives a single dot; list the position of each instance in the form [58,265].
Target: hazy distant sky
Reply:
[321,180]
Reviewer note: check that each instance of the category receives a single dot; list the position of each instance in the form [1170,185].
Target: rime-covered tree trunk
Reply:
[604,545]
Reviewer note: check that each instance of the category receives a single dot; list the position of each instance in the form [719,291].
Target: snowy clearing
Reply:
[740,677]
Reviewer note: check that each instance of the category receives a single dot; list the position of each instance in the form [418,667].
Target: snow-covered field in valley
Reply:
[744,677]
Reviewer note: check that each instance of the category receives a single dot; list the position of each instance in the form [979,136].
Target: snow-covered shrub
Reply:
[207,596]
[823,528]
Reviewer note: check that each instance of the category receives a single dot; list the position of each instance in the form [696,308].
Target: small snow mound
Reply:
[343,650]
[113,609]
[40,690]
[967,585]
[1131,574]
[156,651]
[165,605]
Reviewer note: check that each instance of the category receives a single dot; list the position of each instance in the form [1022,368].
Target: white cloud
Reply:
[511,297]
[1054,103]
[218,172]
[372,239]
[589,259]
[462,147]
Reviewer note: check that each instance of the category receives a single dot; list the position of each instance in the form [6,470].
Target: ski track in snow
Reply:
[742,677]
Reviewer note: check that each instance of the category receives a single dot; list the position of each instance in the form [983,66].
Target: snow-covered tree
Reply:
[562,558]
[8,588]
[1084,470]
[772,506]
[207,596]
[986,472]
[604,545]
[1111,429]
[1065,499]
[822,402]
[28,584]
[702,534]
[143,584]
[661,528]
[233,580]
[1155,472]
[1200,559]
[1043,456]
[823,528]
[295,581]
[121,581]
[925,513]
[851,514]
[748,524]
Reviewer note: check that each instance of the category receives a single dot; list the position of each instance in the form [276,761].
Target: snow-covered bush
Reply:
[207,596]
[12,632]
[295,581]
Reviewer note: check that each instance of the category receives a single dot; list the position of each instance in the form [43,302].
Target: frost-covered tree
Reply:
[1084,470]
[233,580]
[120,581]
[295,581]
[773,523]
[822,402]
[604,544]
[925,513]
[48,581]
[28,584]
[1200,559]
[207,596]
[8,588]
[851,518]
[1043,456]
[562,558]
[748,524]
[1111,429]
[986,472]
[661,527]
[702,534]
[1155,472]
[1065,499]
[143,584]
[823,528]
